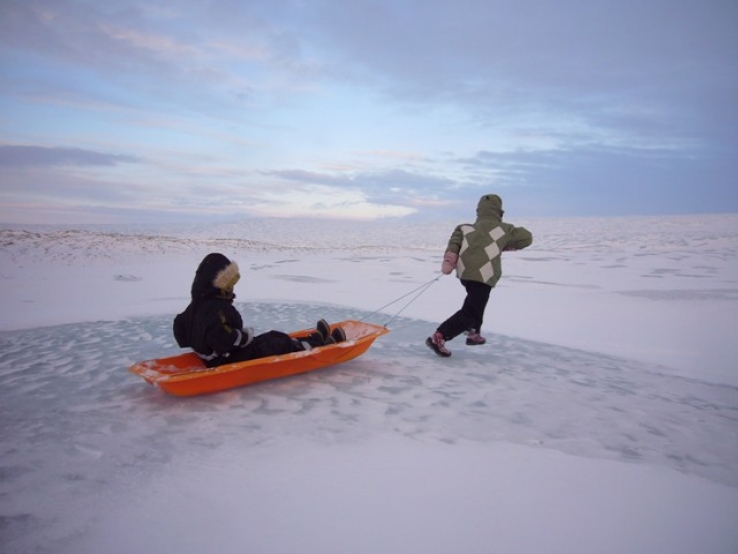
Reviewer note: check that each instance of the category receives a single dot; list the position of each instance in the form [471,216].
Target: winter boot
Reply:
[338,335]
[330,337]
[437,343]
[324,329]
[473,338]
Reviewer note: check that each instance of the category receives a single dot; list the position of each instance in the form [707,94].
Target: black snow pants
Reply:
[471,315]
[271,343]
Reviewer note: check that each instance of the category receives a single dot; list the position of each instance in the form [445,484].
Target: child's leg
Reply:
[477,297]
[471,314]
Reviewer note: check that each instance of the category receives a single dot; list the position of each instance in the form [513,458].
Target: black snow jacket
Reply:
[213,327]
[210,324]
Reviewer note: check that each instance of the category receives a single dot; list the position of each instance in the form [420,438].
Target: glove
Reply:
[449,262]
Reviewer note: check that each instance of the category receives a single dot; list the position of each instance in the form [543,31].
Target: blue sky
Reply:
[146,111]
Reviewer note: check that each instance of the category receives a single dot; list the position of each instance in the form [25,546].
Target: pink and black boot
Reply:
[437,343]
[473,338]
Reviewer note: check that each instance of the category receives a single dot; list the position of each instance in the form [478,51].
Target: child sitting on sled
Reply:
[213,327]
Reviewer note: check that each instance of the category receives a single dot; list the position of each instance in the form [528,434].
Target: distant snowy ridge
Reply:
[618,241]
[590,233]
[68,246]
[71,245]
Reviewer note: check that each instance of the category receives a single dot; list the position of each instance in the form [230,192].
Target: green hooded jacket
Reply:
[479,246]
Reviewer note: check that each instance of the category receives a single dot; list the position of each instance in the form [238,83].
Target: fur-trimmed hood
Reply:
[216,276]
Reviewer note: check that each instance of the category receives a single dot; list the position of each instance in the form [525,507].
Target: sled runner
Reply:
[187,375]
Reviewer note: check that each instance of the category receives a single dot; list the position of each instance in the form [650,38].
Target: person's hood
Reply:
[216,276]
[490,206]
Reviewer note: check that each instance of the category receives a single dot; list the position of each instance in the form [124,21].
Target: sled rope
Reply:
[420,290]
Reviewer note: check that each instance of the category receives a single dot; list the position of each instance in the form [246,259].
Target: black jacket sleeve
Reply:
[222,329]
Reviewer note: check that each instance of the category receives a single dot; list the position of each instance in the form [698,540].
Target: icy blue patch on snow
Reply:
[75,423]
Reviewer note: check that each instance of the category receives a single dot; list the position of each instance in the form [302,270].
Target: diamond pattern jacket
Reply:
[477,248]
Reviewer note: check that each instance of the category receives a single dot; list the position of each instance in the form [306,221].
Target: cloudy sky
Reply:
[158,110]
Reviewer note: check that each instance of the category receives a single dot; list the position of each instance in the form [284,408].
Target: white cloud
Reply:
[323,201]
[384,108]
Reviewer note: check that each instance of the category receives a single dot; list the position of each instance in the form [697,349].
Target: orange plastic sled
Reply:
[187,375]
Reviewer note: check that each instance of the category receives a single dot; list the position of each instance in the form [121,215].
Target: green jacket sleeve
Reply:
[520,238]
[454,243]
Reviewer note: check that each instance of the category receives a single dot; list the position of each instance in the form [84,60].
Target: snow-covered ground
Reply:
[602,415]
